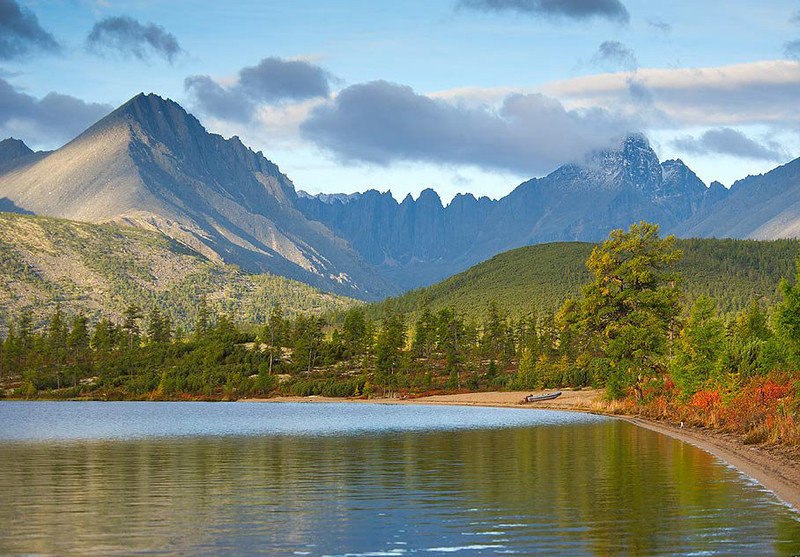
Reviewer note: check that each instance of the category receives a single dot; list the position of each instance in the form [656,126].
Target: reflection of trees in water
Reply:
[594,488]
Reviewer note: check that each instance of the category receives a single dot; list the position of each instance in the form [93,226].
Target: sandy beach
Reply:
[777,470]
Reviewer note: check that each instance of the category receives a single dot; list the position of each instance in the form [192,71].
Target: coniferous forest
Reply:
[629,331]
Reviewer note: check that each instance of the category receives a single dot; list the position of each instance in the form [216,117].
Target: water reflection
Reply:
[601,488]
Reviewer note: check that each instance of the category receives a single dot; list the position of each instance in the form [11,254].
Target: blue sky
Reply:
[458,95]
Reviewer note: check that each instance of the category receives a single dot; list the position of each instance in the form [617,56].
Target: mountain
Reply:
[13,154]
[420,241]
[766,206]
[101,269]
[151,164]
[412,242]
[540,277]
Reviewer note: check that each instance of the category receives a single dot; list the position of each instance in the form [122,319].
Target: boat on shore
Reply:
[538,398]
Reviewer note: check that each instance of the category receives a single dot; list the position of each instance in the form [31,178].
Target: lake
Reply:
[122,478]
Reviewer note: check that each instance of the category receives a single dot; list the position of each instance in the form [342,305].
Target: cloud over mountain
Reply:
[737,94]
[381,122]
[20,32]
[272,80]
[129,37]
[573,9]
[47,121]
[727,141]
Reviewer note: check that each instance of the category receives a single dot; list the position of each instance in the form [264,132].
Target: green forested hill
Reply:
[540,277]
[104,268]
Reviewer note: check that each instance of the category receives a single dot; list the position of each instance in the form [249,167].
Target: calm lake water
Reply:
[366,480]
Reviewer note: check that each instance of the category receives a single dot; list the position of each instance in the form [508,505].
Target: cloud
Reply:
[271,81]
[381,123]
[48,121]
[131,38]
[792,50]
[739,94]
[218,101]
[727,141]
[613,10]
[660,25]
[20,32]
[274,79]
[615,53]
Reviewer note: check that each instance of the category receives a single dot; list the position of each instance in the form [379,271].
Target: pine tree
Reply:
[56,343]
[632,302]
[104,337]
[273,334]
[699,347]
[389,346]
[130,326]
[159,327]
[202,325]
[787,315]
[354,332]
[78,344]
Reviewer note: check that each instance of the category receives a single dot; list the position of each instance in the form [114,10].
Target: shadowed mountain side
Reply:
[418,242]
[151,164]
[766,206]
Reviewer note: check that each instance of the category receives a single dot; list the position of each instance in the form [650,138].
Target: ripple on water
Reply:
[361,479]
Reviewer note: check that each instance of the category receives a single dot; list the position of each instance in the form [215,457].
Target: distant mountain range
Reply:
[151,164]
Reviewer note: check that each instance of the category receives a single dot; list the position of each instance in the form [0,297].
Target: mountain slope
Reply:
[100,269]
[540,277]
[766,206]
[417,242]
[152,165]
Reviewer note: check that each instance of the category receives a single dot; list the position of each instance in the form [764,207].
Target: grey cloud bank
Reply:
[727,141]
[573,9]
[129,37]
[381,122]
[21,34]
[47,121]
[272,80]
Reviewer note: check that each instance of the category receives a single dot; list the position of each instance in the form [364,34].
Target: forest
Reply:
[630,330]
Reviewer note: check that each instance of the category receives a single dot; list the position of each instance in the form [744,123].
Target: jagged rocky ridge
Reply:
[418,242]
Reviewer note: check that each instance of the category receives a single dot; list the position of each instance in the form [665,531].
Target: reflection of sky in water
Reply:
[126,420]
[486,482]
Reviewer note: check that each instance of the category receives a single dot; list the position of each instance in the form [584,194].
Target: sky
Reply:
[458,95]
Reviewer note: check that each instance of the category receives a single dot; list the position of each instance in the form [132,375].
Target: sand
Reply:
[775,469]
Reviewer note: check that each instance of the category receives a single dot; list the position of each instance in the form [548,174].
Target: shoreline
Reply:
[777,472]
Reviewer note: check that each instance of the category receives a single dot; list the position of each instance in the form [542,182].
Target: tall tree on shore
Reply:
[159,327]
[787,315]
[78,345]
[354,332]
[699,347]
[273,334]
[57,343]
[631,302]
[389,346]
[130,325]
[202,324]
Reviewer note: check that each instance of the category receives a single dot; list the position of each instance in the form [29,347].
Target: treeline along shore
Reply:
[630,332]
